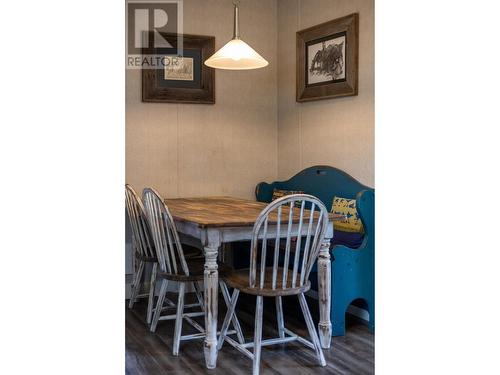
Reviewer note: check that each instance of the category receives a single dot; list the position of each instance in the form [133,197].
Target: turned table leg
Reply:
[324,291]
[211,278]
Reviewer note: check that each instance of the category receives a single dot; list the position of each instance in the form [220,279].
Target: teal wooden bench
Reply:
[353,269]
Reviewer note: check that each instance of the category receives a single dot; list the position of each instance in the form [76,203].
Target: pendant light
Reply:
[236,54]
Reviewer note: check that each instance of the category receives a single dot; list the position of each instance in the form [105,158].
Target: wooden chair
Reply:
[143,246]
[287,280]
[174,267]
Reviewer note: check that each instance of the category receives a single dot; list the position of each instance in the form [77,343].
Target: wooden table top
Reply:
[226,211]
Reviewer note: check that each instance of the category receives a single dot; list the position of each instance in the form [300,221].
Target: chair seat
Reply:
[196,268]
[145,258]
[191,252]
[239,280]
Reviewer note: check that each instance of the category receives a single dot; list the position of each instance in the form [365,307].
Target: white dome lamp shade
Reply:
[236,54]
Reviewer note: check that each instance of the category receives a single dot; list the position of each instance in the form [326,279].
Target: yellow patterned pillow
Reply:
[279,193]
[347,207]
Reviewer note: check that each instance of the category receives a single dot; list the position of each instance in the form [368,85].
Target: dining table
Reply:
[215,221]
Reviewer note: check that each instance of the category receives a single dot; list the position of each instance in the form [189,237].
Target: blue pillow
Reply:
[349,239]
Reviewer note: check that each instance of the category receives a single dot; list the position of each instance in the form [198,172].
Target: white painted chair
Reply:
[261,280]
[143,247]
[174,267]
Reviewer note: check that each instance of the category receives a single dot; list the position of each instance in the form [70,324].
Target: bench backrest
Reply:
[325,182]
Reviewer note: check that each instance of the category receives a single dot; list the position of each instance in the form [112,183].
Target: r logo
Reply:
[145,21]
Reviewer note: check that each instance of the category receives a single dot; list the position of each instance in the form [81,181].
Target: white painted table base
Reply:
[211,240]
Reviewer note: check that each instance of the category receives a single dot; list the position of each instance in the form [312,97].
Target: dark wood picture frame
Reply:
[204,93]
[347,26]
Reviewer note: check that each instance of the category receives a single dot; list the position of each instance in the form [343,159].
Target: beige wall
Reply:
[337,132]
[256,131]
[226,148]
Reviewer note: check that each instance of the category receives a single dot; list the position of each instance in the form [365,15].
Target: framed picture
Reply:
[171,78]
[327,60]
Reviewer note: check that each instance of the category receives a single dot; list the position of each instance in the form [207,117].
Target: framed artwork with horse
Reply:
[327,60]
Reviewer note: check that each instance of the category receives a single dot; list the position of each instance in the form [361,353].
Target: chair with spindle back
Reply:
[143,246]
[290,279]
[175,267]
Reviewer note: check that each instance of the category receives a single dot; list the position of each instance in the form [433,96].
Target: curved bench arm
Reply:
[365,204]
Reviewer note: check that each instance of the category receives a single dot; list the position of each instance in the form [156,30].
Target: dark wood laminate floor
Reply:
[148,353]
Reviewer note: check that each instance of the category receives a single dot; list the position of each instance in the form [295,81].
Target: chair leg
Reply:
[137,284]
[159,305]
[178,319]
[227,319]
[234,318]
[199,296]
[312,329]
[258,335]
[279,314]
[151,300]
